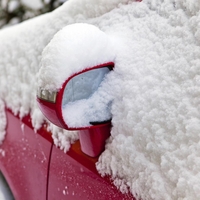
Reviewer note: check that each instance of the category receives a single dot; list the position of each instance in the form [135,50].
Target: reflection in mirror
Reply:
[82,103]
[83,85]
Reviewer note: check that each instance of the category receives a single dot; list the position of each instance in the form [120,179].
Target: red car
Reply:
[31,165]
[118,86]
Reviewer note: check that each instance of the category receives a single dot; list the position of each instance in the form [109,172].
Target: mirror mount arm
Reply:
[93,139]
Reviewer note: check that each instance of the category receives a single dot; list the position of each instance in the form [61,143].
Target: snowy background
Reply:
[15,11]
[154,146]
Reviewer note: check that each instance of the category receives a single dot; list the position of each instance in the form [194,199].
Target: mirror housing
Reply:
[74,52]
[93,137]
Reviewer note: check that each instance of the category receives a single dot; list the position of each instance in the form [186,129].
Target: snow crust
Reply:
[154,146]
[21,48]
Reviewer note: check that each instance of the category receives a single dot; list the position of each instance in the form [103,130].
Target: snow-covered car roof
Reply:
[154,143]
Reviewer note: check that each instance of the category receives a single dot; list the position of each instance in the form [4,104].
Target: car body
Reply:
[150,50]
[36,169]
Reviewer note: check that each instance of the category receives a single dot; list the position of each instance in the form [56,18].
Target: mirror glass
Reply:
[84,101]
[83,85]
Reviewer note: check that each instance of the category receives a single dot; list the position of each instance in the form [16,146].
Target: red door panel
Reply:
[25,164]
[73,176]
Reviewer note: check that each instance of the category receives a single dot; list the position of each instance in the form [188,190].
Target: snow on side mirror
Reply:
[79,98]
[72,84]
[75,106]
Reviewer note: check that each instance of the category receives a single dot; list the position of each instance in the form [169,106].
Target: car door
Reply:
[24,158]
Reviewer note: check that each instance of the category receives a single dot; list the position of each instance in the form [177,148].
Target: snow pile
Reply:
[62,139]
[154,148]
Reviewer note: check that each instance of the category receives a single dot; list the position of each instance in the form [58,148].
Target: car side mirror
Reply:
[63,107]
[72,92]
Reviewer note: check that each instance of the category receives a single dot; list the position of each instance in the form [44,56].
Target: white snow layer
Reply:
[21,48]
[34,5]
[154,146]
[73,49]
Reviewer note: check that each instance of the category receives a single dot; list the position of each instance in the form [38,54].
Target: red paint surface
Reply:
[25,164]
